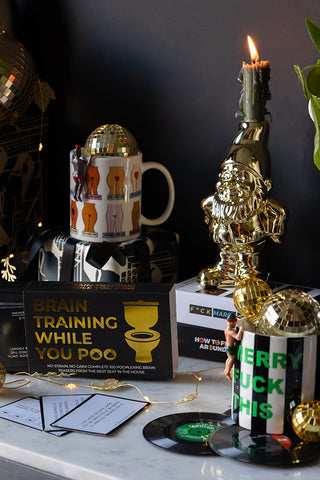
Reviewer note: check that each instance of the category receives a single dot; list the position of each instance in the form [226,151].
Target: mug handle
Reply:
[157,221]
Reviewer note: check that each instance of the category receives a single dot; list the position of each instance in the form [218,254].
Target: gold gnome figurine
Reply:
[240,214]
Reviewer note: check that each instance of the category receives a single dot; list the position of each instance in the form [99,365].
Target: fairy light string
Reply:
[42,108]
[111,384]
[25,381]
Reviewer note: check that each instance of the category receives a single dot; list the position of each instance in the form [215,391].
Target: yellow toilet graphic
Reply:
[142,316]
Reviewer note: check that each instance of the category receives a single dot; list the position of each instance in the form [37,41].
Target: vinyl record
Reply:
[263,449]
[186,432]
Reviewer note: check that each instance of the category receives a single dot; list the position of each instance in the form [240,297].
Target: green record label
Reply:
[195,432]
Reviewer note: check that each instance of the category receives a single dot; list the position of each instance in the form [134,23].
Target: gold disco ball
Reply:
[17,78]
[111,140]
[2,375]
[291,313]
[306,421]
[249,296]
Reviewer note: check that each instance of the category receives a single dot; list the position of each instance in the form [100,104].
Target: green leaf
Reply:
[313,81]
[314,32]
[315,108]
[303,80]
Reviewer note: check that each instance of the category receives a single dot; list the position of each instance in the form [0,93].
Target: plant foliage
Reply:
[311,87]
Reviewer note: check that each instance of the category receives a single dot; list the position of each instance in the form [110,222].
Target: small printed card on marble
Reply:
[25,411]
[100,414]
[55,406]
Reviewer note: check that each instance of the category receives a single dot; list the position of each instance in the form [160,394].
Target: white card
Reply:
[25,411]
[55,406]
[100,414]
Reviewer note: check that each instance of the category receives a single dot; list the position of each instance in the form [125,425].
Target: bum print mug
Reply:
[105,187]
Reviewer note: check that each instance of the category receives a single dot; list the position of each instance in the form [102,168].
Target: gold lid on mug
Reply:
[111,140]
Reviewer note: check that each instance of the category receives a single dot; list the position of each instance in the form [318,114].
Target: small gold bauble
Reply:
[294,399]
[111,140]
[249,296]
[17,78]
[306,421]
[2,375]
[291,313]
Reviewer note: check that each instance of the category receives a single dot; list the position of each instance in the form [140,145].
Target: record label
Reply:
[195,432]
[285,442]
[186,433]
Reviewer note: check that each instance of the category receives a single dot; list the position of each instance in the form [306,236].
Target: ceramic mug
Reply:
[271,376]
[105,197]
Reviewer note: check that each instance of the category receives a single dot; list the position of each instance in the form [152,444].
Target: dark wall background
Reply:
[167,71]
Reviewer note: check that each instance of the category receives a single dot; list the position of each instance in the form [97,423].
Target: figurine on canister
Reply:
[232,335]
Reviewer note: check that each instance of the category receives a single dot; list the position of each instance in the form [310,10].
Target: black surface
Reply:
[168,72]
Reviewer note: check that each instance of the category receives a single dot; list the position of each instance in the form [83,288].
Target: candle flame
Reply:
[253,51]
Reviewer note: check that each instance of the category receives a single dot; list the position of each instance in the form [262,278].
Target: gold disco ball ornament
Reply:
[291,313]
[17,79]
[249,295]
[111,140]
[306,421]
[2,375]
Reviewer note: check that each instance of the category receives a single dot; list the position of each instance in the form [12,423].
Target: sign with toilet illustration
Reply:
[142,316]
[101,329]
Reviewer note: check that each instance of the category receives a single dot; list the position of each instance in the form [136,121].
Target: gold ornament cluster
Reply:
[290,312]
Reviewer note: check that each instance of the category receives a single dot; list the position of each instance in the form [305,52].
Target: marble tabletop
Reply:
[125,454]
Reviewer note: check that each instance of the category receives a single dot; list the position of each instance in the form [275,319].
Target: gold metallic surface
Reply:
[2,375]
[306,421]
[294,399]
[17,78]
[143,339]
[249,296]
[240,214]
[110,140]
[290,313]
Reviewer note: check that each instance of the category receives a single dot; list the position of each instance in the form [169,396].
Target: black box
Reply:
[102,330]
[201,342]
[13,350]
[151,258]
